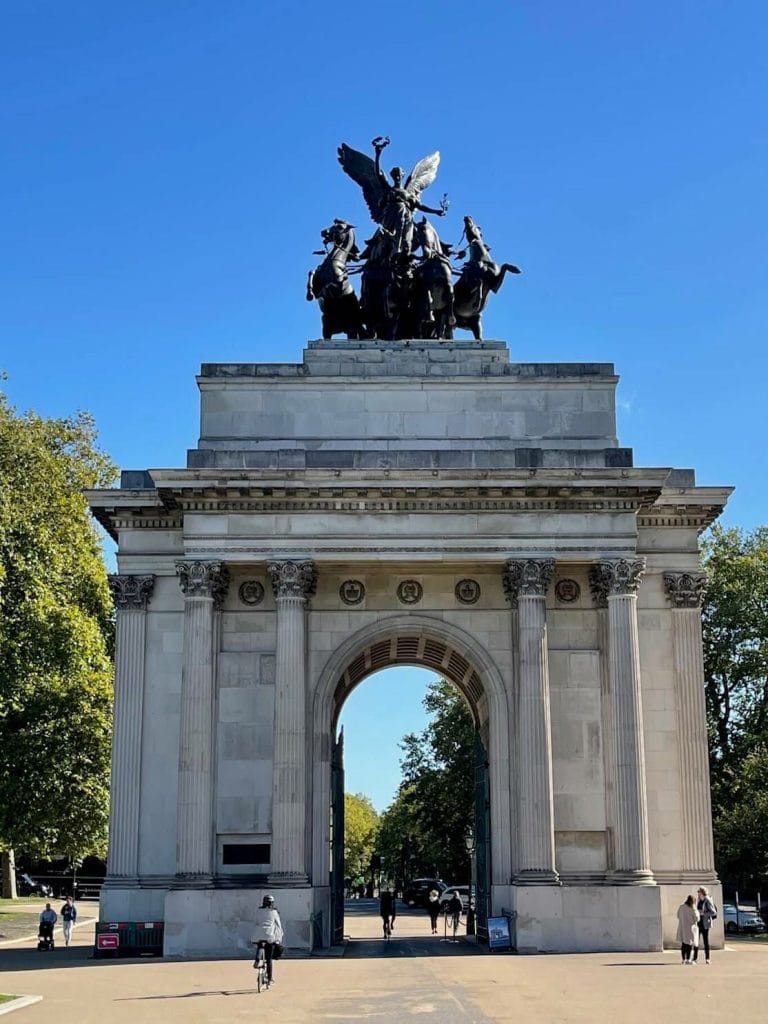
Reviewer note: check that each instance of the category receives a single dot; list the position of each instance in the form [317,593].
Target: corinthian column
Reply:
[293,584]
[686,591]
[525,584]
[205,586]
[617,581]
[131,595]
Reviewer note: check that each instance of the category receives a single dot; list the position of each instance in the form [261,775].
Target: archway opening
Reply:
[410,732]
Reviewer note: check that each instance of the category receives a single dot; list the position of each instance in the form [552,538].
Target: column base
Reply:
[636,877]
[120,882]
[283,879]
[537,876]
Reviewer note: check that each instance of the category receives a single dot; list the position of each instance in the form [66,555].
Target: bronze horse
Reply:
[433,284]
[479,276]
[330,283]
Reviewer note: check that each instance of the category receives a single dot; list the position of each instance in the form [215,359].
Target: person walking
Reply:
[388,911]
[707,914]
[433,906]
[687,929]
[68,918]
[267,932]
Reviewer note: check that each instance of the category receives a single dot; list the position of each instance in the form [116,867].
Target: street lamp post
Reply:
[469,842]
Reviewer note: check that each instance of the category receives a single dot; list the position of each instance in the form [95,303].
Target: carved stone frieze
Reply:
[131,591]
[204,579]
[529,577]
[568,591]
[467,591]
[251,592]
[685,589]
[352,592]
[617,577]
[292,579]
[410,592]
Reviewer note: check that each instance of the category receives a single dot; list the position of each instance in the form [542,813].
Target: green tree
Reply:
[55,636]
[735,633]
[360,825]
[425,828]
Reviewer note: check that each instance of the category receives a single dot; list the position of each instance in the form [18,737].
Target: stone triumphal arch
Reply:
[418,503]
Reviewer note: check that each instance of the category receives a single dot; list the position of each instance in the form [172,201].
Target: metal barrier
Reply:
[128,938]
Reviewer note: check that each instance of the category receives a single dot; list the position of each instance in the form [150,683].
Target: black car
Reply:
[416,893]
[27,886]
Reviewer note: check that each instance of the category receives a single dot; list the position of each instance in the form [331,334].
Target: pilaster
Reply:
[204,585]
[131,595]
[293,584]
[525,584]
[685,591]
[617,581]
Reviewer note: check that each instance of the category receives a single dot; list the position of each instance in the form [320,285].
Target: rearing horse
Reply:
[479,276]
[433,283]
[330,283]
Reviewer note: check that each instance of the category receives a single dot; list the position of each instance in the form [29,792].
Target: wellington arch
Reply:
[425,503]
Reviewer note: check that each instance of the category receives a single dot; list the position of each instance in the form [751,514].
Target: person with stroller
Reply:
[48,919]
[267,933]
[68,918]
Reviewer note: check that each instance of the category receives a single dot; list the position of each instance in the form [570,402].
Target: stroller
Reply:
[45,936]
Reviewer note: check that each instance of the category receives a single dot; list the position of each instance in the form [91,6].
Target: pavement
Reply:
[414,976]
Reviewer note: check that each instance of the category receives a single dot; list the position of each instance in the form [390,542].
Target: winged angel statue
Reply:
[392,205]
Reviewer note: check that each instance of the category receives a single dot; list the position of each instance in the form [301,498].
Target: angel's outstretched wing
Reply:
[362,169]
[423,174]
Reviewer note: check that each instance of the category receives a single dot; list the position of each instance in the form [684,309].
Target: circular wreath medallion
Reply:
[410,592]
[352,591]
[467,591]
[567,591]
[251,592]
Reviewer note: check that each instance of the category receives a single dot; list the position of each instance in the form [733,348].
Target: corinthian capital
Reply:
[131,591]
[292,579]
[685,589]
[616,577]
[204,579]
[527,578]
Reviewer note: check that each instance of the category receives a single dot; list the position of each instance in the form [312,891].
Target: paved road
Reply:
[413,977]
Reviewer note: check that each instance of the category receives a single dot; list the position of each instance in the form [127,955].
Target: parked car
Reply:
[447,895]
[27,886]
[741,920]
[416,893]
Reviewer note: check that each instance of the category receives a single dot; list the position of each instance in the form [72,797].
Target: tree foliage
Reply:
[425,828]
[55,636]
[360,825]
[735,632]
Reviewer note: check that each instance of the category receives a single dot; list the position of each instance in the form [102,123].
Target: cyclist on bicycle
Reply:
[388,911]
[267,932]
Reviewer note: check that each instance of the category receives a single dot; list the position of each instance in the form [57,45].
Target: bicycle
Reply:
[260,966]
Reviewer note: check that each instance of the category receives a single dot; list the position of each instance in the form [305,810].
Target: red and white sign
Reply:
[107,940]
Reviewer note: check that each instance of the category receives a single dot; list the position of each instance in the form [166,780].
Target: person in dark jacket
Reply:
[453,910]
[68,918]
[707,914]
[388,911]
[433,906]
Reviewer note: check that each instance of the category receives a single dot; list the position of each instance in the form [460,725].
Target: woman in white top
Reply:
[687,928]
[268,931]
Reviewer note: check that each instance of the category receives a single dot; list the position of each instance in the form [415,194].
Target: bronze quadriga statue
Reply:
[407,288]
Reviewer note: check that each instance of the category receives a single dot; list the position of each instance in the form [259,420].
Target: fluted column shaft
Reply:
[632,862]
[131,595]
[293,583]
[204,585]
[526,585]
[685,591]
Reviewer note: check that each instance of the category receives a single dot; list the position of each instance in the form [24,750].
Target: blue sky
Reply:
[167,167]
